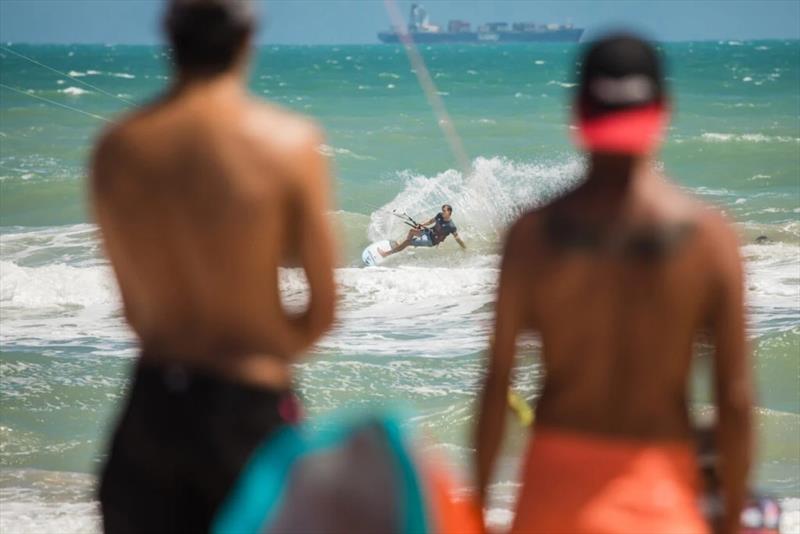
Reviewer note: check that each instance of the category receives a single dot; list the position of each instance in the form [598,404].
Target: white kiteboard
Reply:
[371,257]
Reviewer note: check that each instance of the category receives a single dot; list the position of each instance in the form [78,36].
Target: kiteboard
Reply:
[371,257]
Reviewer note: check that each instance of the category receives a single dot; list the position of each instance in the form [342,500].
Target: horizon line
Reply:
[377,43]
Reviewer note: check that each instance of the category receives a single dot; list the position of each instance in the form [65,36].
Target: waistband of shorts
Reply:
[599,445]
[197,385]
[179,375]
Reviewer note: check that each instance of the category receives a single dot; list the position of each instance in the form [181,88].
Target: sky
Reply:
[358,21]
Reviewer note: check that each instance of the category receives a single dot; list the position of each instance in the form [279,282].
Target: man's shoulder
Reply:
[715,237]
[710,221]
[125,128]
[284,129]
[531,219]
[288,141]
[109,147]
[717,231]
[523,233]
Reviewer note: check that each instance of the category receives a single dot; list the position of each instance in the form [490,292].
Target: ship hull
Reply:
[572,35]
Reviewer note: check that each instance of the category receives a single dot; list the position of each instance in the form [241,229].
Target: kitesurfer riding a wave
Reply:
[425,235]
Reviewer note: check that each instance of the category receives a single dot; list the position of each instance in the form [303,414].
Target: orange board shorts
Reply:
[449,514]
[580,483]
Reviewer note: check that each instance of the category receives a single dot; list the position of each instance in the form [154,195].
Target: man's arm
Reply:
[430,222]
[104,189]
[491,418]
[315,248]
[458,240]
[732,380]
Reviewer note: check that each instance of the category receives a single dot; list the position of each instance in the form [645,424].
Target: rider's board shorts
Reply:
[425,239]
[582,483]
[356,475]
[180,445]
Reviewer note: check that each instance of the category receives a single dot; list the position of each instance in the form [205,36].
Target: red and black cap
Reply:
[621,105]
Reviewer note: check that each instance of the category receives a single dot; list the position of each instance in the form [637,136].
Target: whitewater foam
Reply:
[56,285]
[331,151]
[565,85]
[74,91]
[714,137]
[64,518]
[48,501]
[485,202]
[73,244]
[383,311]
[773,278]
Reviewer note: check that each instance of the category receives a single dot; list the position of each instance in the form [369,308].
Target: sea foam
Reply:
[331,151]
[714,137]
[485,201]
[56,285]
[48,501]
[74,91]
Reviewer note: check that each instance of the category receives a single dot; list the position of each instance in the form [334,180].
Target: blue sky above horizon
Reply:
[354,21]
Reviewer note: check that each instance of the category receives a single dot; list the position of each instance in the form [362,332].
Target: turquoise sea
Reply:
[414,331]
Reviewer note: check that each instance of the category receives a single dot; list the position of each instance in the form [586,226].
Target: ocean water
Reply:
[413,331]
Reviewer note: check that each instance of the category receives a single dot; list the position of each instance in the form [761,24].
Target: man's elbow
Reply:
[326,317]
[323,313]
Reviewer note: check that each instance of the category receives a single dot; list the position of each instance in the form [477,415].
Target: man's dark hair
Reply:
[447,207]
[207,36]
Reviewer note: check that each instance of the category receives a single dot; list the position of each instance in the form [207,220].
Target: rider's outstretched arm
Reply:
[458,240]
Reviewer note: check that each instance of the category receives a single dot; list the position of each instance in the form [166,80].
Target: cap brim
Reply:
[631,131]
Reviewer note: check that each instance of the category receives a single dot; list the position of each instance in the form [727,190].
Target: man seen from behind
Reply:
[621,277]
[200,197]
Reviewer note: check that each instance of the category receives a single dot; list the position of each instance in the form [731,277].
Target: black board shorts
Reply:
[179,447]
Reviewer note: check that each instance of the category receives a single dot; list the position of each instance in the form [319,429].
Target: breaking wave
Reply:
[485,201]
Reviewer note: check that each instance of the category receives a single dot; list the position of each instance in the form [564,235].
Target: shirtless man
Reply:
[200,197]
[425,235]
[619,277]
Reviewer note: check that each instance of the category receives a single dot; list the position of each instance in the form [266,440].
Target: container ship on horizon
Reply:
[458,31]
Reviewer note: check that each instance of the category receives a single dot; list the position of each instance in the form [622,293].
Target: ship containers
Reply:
[457,26]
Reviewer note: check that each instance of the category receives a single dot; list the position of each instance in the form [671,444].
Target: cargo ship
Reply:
[421,30]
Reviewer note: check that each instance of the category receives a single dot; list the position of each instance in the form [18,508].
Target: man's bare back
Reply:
[200,199]
[641,275]
[621,278]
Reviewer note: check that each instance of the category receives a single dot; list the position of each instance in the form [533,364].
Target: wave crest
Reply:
[485,202]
